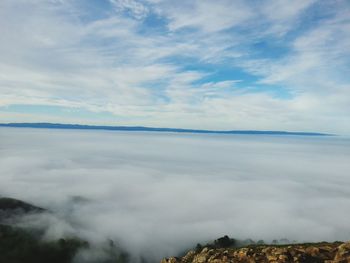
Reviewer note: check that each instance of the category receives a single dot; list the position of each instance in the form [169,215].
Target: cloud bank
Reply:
[272,65]
[158,194]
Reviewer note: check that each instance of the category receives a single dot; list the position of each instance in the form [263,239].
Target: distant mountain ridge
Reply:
[153,129]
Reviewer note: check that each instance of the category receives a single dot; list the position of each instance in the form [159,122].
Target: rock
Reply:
[313,251]
[343,253]
[205,250]
[271,258]
[201,258]
[283,258]
[172,260]
[316,253]
[169,260]
[188,257]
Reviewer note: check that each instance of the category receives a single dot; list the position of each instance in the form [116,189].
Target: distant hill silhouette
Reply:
[152,129]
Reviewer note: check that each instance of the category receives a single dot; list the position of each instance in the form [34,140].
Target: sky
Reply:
[158,195]
[223,65]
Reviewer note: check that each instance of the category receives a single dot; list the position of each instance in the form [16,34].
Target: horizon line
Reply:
[49,125]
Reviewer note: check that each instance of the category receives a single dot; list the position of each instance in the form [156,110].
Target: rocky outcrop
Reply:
[336,252]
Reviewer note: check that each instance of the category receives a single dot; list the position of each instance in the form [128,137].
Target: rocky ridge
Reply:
[337,252]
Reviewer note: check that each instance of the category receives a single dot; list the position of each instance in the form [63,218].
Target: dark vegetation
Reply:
[10,208]
[14,204]
[24,245]
[21,246]
[222,242]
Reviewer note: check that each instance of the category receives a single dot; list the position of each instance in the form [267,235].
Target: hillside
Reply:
[337,252]
[25,245]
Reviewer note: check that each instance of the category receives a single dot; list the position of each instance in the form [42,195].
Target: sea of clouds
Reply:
[157,194]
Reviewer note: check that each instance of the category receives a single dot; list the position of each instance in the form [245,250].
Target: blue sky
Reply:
[225,64]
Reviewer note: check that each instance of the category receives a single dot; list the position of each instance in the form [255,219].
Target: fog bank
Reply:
[157,194]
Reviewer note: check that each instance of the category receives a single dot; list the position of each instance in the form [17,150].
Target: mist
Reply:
[159,194]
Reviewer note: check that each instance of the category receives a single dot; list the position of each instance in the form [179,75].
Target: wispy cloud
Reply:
[135,8]
[151,62]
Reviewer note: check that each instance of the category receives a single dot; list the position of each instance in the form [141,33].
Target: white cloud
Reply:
[53,55]
[282,15]
[206,15]
[285,10]
[136,8]
[157,194]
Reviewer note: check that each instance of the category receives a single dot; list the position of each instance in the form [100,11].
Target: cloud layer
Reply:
[157,194]
[191,64]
